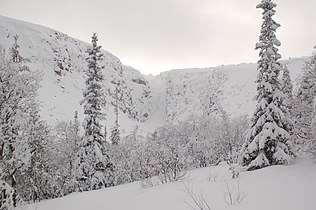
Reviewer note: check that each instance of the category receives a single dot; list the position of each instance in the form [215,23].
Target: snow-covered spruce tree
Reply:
[267,142]
[94,169]
[304,104]
[115,131]
[75,130]
[287,87]
[15,53]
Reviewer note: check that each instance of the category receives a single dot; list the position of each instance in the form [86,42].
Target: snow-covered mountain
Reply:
[147,101]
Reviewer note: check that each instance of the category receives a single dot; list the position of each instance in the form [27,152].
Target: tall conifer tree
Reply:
[267,142]
[117,81]
[287,86]
[93,163]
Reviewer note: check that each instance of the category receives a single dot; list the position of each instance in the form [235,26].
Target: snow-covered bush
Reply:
[21,130]
[7,200]
[133,160]
[173,149]
[66,145]
[196,201]
[169,153]
[233,192]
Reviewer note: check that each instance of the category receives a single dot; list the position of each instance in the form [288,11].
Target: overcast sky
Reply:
[159,35]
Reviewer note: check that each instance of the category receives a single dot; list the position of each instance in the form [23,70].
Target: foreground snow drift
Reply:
[290,187]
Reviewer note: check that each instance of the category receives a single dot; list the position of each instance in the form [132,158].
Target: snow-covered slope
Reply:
[190,89]
[289,187]
[61,61]
[148,101]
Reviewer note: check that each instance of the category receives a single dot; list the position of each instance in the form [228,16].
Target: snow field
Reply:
[289,187]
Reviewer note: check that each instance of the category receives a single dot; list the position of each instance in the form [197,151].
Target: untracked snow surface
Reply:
[291,187]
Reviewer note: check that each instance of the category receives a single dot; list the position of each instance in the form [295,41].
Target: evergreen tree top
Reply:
[269,26]
[268,42]
[267,4]
[94,41]
[94,52]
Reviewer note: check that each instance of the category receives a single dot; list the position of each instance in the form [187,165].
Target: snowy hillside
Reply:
[190,89]
[290,187]
[61,61]
[148,101]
